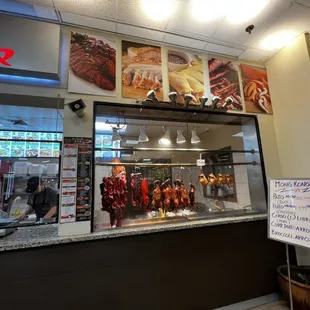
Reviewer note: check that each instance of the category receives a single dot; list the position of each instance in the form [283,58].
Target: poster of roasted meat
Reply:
[256,89]
[141,70]
[92,65]
[185,75]
[224,82]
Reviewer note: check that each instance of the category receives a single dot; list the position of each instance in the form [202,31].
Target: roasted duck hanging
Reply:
[192,199]
[157,196]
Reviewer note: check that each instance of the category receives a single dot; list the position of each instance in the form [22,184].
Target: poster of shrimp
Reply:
[256,89]
[224,83]
[92,65]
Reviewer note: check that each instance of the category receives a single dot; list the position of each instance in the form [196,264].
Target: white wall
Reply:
[289,75]
[266,122]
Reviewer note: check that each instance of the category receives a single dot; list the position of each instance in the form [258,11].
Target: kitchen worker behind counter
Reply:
[42,200]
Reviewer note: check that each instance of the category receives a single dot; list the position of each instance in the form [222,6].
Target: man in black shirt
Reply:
[42,199]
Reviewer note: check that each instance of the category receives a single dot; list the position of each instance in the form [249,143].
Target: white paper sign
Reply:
[289,211]
[201,162]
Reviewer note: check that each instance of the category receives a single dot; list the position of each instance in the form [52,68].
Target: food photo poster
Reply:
[185,75]
[224,81]
[92,65]
[256,89]
[141,70]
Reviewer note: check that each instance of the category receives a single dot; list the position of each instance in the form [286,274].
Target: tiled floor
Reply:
[277,305]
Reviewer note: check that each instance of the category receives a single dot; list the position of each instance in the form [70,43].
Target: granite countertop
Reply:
[45,235]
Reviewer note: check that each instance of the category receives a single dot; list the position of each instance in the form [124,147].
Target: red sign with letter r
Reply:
[8,53]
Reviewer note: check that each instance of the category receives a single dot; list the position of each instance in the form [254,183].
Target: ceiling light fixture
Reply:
[143,136]
[158,10]
[180,138]
[195,139]
[165,139]
[278,40]
[116,136]
[241,11]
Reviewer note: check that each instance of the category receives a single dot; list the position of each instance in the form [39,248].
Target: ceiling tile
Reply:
[88,21]
[92,8]
[256,55]
[43,2]
[225,50]
[304,2]
[130,11]
[184,23]
[186,42]
[296,19]
[140,32]
[235,33]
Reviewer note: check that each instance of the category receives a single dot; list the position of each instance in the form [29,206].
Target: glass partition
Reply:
[174,165]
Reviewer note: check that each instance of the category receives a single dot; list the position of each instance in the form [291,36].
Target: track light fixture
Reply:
[151,96]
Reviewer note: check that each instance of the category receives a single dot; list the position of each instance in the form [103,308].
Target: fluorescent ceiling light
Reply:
[241,11]
[278,40]
[133,142]
[126,155]
[158,10]
[147,159]
[102,126]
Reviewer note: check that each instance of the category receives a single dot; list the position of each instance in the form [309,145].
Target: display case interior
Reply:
[163,165]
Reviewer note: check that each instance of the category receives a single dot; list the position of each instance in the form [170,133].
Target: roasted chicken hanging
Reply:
[157,196]
[203,180]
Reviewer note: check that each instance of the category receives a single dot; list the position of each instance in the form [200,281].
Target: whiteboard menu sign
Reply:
[289,211]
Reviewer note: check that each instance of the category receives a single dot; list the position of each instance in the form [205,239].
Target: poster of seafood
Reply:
[141,70]
[92,65]
[256,89]
[224,82]
[185,75]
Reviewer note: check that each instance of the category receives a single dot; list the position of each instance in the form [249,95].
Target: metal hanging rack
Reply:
[173,150]
[172,165]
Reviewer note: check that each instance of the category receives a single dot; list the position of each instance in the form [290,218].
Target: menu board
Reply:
[77,159]
[289,211]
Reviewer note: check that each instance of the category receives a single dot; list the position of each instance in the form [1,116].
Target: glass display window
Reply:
[175,165]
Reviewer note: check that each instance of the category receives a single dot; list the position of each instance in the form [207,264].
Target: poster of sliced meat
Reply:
[141,70]
[185,75]
[256,89]
[224,82]
[92,65]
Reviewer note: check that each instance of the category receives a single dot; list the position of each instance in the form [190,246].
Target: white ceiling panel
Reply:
[185,23]
[45,12]
[187,42]
[88,21]
[296,19]
[256,55]
[235,33]
[304,2]
[140,32]
[93,8]
[42,2]
[130,11]
[225,50]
